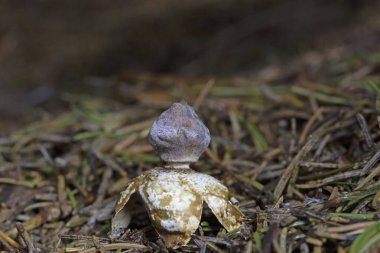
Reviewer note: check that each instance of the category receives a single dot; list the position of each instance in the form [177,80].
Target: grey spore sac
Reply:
[178,135]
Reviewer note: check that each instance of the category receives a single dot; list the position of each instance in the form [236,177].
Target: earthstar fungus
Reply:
[174,194]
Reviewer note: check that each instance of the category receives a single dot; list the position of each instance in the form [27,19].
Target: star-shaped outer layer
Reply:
[174,200]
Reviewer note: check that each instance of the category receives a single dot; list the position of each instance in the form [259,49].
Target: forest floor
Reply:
[299,153]
[296,143]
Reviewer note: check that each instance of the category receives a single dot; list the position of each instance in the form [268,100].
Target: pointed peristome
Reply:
[179,135]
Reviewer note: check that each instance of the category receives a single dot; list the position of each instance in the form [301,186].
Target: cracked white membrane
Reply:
[174,195]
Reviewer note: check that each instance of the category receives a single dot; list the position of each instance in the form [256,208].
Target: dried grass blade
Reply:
[289,170]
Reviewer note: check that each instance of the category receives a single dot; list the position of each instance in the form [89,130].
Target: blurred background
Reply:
[112,49]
